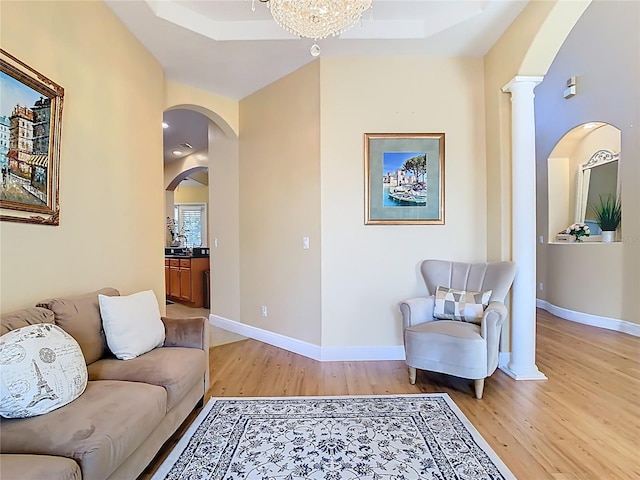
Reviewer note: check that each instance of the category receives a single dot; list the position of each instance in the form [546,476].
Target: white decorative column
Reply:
[522,365]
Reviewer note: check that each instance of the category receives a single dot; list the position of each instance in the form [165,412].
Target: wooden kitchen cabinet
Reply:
[186,290]
[174,277]
[167,276]
[184,280]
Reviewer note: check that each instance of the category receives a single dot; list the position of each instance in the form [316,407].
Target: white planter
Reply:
[608,236]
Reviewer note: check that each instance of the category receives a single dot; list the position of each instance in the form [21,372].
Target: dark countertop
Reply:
[186,256]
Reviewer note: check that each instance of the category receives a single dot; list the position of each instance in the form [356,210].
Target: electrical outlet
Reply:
[264,310]
[540,286]
[541,239]
[215,243]
[305,243]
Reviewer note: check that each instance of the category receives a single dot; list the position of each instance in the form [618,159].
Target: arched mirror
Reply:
[582,168]
[598,178]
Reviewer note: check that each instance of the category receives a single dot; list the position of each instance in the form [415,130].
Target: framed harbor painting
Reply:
[30,129]
[404,178]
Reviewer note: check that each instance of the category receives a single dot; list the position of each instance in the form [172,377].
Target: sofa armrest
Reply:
[416,310]
[492,320]
[190,332]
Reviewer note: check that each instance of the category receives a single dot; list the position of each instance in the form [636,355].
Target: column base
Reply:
[531,374]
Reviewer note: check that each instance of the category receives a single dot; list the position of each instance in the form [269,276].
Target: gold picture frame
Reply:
[30,128]
[404,178]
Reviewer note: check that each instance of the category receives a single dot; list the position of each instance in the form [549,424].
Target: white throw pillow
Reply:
[131,323]
[41,369]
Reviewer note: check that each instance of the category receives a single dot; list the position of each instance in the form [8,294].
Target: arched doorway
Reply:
[220,162]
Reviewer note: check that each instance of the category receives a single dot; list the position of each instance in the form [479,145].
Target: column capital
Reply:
[520,79]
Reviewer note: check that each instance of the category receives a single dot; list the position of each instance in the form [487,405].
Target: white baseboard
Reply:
[323,354]
[503,359]
[593,320]
[532,374]
[347,354]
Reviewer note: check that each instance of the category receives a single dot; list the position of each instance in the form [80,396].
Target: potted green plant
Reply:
[608,215]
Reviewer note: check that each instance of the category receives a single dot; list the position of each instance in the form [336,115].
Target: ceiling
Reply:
[184,127]
[224,47]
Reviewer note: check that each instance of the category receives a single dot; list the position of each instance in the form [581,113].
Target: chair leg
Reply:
[479,387]
[412,375]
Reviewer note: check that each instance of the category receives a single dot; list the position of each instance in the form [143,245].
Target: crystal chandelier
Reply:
[316,19]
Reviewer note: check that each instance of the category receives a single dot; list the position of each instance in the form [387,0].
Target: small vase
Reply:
[608,236]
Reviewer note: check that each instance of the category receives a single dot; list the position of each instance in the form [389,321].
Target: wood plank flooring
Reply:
[582,423]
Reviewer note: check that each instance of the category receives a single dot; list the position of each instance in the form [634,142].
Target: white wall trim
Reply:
[323,354]
[348,354]
[277,340]
[503,359]
[589,319]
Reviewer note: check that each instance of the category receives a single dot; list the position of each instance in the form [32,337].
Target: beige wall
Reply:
[280,204]
[191,194]
[221,110]
[593,53]
[224,223]
[168,209]
[501,64]
[111,193]
[178,170]
[368,269]
[598,289]
[561,205]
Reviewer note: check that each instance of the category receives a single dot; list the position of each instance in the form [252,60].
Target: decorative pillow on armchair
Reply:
[460,305]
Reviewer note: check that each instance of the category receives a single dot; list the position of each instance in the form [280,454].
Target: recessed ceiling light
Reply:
[165,125]
[177,152]
[589,125]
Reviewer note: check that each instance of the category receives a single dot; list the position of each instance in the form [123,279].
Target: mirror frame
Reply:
[601,157]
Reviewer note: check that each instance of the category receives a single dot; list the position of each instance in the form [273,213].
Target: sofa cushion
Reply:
[176,369]
[447,346]
[37,467]
[42,368]
[99,430]
[80,317]
[22,318]
[131,323]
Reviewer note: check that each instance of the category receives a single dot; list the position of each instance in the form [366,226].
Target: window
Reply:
[192,219]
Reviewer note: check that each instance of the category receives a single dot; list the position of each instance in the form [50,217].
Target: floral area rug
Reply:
[398,437]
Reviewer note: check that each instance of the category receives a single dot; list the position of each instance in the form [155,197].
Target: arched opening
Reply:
[582,170]
[214,164]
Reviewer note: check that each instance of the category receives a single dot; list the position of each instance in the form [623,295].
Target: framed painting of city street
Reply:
[404,178]
[30,130]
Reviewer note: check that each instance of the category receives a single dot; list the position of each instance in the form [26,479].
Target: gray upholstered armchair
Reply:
[460,348]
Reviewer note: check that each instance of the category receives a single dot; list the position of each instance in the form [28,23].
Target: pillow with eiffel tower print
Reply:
[41,369]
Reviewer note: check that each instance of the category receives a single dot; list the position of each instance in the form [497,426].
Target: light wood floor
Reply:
[582,423]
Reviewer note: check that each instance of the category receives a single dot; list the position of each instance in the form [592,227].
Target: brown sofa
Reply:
[128,410]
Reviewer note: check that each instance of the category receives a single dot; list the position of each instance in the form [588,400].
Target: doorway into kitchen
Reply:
[191,283]
[186,169]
